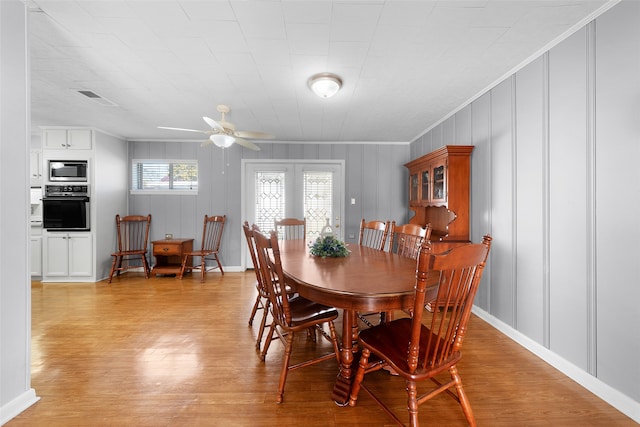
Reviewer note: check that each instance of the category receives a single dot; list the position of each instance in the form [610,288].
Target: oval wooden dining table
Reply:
[368,280]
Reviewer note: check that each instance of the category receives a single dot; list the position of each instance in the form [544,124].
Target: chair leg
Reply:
[219,263]
[267,343]
[263,325]
[254,310]
[334,340]
[412,403]
[182,267]
[145,265]
[285,366]
[113,267]
[462,397]
[203,269]
[119,266]
[355,386]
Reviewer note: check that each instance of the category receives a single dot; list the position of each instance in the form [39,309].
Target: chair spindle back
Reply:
[373,234]
[406,240]
[459,272]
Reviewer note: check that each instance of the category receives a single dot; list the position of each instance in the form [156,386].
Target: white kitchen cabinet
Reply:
[67,139]
[36,255]
[68,255]
[35,169]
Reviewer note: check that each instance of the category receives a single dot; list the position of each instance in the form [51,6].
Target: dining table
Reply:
[367,280]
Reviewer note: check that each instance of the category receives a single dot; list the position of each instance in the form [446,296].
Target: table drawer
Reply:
[167,249]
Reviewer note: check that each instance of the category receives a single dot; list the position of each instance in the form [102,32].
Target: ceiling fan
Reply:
[223,134]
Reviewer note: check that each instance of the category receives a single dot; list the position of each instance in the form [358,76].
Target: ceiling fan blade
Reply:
[212,123]
[247,144]
[186,130]
[253,135]
[207,142]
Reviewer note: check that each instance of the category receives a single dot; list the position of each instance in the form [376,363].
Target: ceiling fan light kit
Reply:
[222,141]
[325,85]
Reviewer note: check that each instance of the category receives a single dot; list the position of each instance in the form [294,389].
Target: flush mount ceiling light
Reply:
[222,141]
[325,85]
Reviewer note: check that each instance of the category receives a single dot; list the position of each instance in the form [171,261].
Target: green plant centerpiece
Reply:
[328,246]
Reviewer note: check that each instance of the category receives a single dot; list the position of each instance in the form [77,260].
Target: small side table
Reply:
[168,253]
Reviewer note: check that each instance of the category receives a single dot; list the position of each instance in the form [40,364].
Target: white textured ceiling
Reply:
[405,64]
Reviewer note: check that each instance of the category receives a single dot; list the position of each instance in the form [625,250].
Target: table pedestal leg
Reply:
[342,386]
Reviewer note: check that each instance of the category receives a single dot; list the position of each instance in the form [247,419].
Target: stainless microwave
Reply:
[68,170]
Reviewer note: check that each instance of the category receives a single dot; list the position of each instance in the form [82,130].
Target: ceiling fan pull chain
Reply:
[225,163]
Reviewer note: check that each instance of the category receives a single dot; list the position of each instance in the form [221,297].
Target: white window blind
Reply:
[164,176]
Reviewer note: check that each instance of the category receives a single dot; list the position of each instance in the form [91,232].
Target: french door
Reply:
[301,189]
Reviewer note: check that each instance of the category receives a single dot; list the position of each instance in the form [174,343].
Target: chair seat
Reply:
[389,339]
[125,253]
[305,313]
[198,253]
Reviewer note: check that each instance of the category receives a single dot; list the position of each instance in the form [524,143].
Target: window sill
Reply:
[164,192]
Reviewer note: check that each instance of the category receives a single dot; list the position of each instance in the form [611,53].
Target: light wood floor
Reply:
[166,352]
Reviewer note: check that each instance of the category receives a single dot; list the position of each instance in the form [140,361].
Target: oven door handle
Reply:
[65,198]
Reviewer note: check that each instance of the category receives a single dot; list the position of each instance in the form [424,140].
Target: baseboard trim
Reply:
[17,405]
[613,397]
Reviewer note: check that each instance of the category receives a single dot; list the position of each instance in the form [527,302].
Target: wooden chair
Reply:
[262,299]
[133,237]
[418,348]
[406,239]
[291,314]
[211,239]
[373,234]
[291,228]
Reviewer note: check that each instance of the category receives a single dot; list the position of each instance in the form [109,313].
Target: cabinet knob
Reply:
[165,249]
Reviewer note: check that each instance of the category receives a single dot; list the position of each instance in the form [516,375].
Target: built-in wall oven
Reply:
[66,208]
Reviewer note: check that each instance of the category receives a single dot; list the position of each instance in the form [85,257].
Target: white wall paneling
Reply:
[531,175]
[617,150]
[481,177]
[569,186]
[503,284]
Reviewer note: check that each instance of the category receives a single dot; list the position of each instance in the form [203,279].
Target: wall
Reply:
[16,393]
[375,177]
[554,180]
[110,181]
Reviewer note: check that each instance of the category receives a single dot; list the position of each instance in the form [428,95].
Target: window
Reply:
[164,177]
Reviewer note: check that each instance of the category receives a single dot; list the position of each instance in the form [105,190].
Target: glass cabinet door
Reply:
[439,185]
[413,187]
[425,184]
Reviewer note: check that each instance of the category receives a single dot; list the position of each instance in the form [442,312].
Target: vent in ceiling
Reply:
[97,98]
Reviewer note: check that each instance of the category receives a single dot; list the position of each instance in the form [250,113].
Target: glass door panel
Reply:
[425,185]
[439,187]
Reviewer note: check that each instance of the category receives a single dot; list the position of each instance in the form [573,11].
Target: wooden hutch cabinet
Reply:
[439,192]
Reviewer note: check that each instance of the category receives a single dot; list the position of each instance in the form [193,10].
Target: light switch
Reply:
[353,200]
